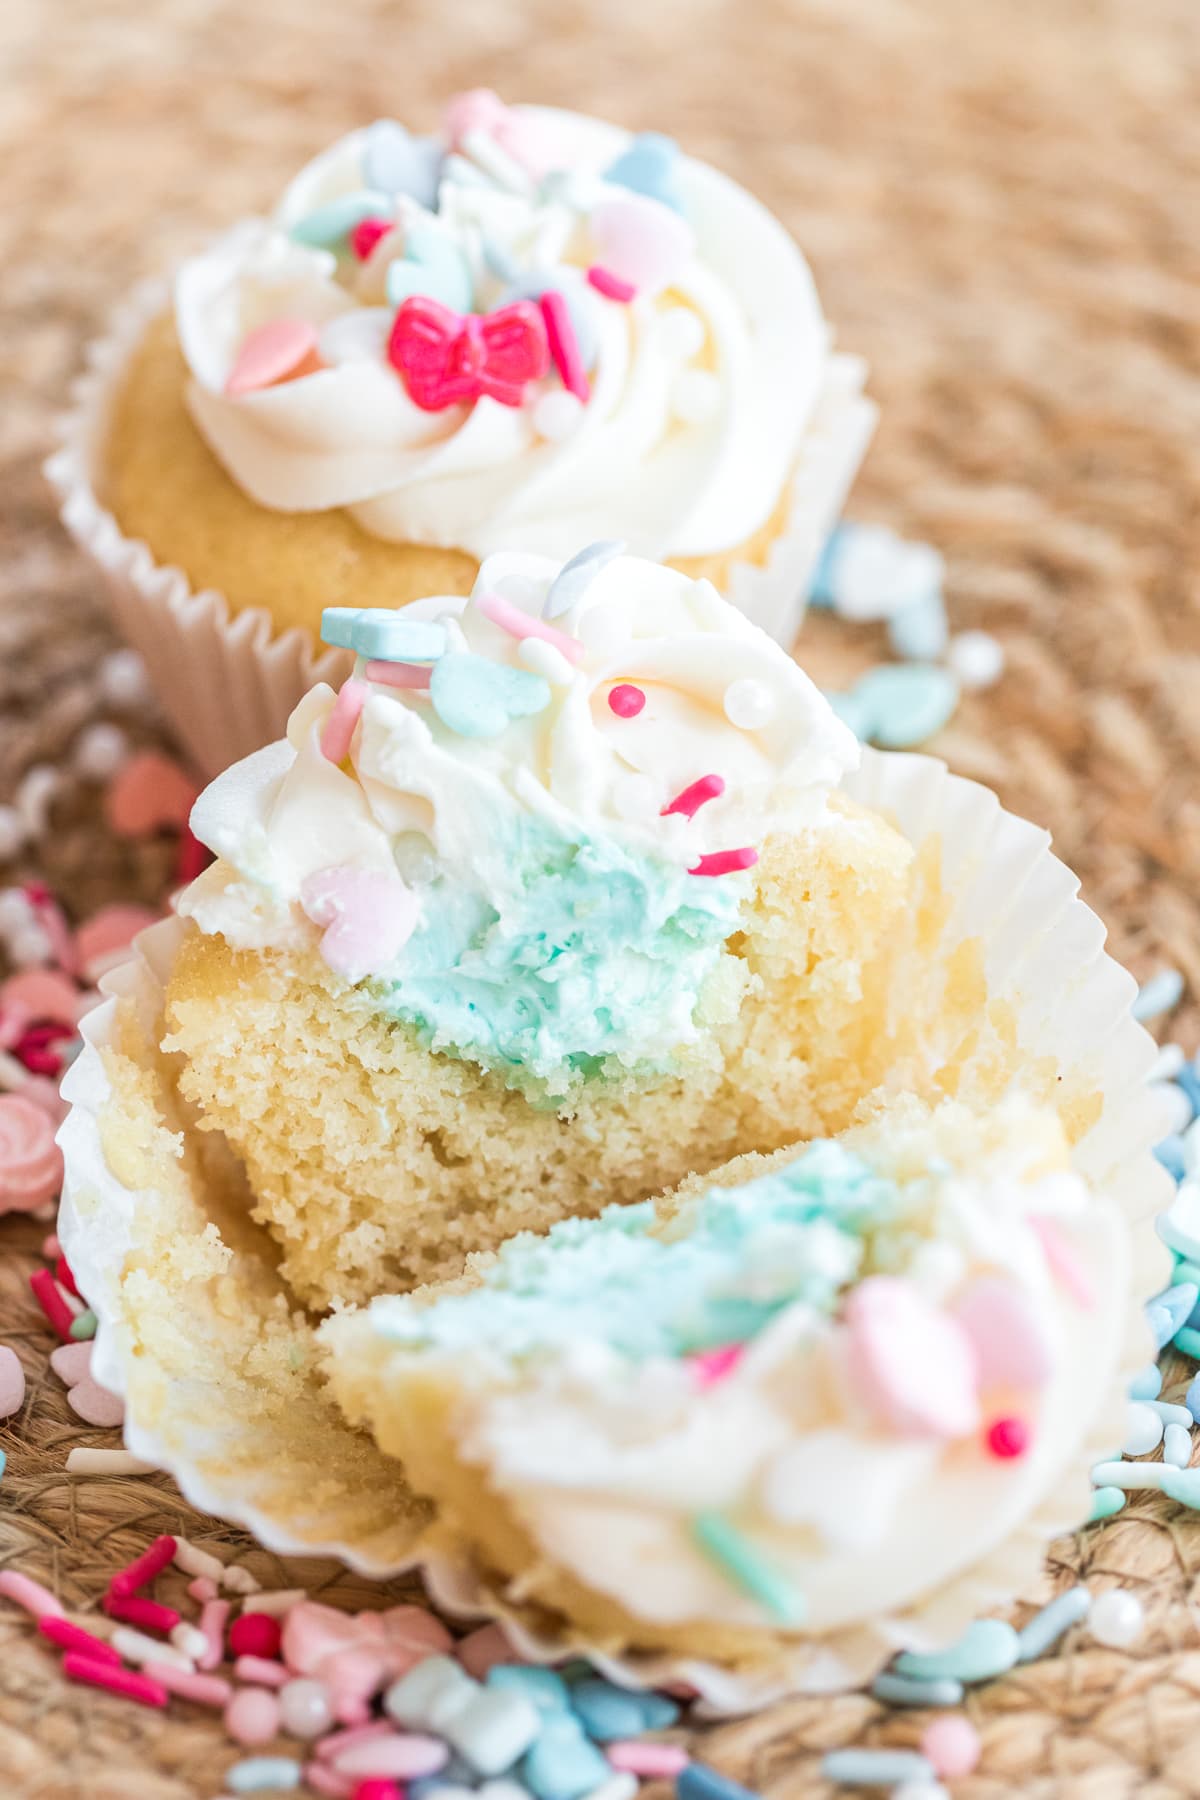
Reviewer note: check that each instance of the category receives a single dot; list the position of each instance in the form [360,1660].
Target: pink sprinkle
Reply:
[30,1594]
[520,624]
[366,235]
[324,1780]
[1064,1264]
[255,1634]
[103,939]
[146,1615]
[151,793]
[205,1690]
[689,802]
[337,1741]
[952,1745]
[74,1637]
[192,859]
[481,1650]
[53,920]
[152,1562]
[339,726]
[626,700]
[1008,1438]
[49,1297]
[64,1277]
[373,1789]
[277,350]
[51,1247]
[638,1757]
[398,1754]
[261,1670]
[711,1366]
[564,345]
[41,994]
[725,862]
[212,1623]
[610,285]
[203,1588]
[117,1681]
[398,675]
[252,1716]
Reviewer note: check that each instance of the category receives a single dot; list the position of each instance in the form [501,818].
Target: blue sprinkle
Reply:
[1189,1342]
[1192,1398]
[1170,1155]
[986,1648]
[906,702]
[1182,1486]
[383,633]
[330,225]
[546,1689]
[3,1463]
[1177,1445]
[1046,1627]
[395,162]
[1147,1383]
[852,712]
[699,1782]
[876,1768]
[649,166]
[562,1764]
[577,295]
[919,632]
[746,1567]
[1161,994]
[904,1690]
[1189,1081]
[1106,1501]
[610,1712]
[823,586]
[1170,1310]
[257,1773]
[577,575]
[480,699]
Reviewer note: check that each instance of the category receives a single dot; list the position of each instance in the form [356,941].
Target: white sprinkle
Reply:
[1116,1619]
[239,1580]
[197,1562]
[557,415]
[1167,1063]
[1177,1446]
[107,1462]
[977,658]
[123,679]
[749,704]
[1143,1429]
[274,1604]
[504,169]
[30,947]
[188,1640]
[1161,994]
[15,910]
[136,1648]
[12,832]
[38,787]
[99,752]
[695,396]
[545,659]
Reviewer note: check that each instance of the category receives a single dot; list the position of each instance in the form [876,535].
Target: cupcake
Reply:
[531,330]
[789,1401]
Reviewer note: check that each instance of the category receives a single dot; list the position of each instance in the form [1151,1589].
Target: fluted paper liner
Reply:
[228,682]
[301,1481]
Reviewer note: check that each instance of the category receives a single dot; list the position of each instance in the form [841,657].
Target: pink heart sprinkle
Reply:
[104,939]
[94,1404]
[150,793]
[913,1366]
[275,351]
[367,917]
[40,994]
[642,242]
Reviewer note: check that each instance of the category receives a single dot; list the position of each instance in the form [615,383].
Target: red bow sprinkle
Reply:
[447,359]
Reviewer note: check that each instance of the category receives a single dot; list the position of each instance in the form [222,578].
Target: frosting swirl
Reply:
[675,416]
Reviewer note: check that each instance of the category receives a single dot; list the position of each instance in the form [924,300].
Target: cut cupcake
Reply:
[796,1398]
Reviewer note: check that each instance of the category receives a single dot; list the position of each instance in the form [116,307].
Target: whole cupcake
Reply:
[529,331]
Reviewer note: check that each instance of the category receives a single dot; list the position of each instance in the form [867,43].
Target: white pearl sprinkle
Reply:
[977,658]
[99,752]
[545,659]
[1143,1429]
[15,911]
[1116,1619]
[189,1640]
[305,1708]
[749,704]
[29,947]
[557,415]
[695,396]
[38,787]
[123,679]
[12,832]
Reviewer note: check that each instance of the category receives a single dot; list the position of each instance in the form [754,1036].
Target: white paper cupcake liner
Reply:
[228,682]
[1044,957]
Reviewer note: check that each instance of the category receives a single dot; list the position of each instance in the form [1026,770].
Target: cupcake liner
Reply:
[1044,958]
[228,682]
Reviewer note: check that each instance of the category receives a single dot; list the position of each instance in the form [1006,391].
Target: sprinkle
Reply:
[136,1648]
[918,631]
[1064,1265]
[107,1462]
[305,1708]
[483,1649]
[252,1716]
[520,624]
[708,1367]
[544,659]
[49,1297]
[212,1623]
[721,1540]
[280,350]
[495,161]
[977,658]
[332,1746]
[324,1780]
[610,285]
[73,1637]
[1008,1438]
[479,699]
[1161,994]
[398,675]
[1116,1619]
[577,574]
[1147,1383]
[634,1757]
[12,1382]
[556,415]
[147,1615]
[875,1768]
[151,1563]
[190,1640]
[281,1600]
[689,802]
[29,1594]
[367,233]
[202,1590]
[700,1782]
[1143,1430]
[725,862]
[1167,1312]
[1051,1623]
[382,633]
[1171,1414]
[259,1772]
[986,1648]
[391,1755]
[395,162]
[564,345]
[344,715]
[1188,1341]
[626,700]
[749,704]
[952,1745]
[117,1681]
[1192,1398]
[205,1690]
[263,1671]
[1131,1478]
[197,1562]
[255,1634]
[903,1690]
[1177,1446]
[906,703]
[151,793]
[328,226]
[1106,1503]
[1181,1485]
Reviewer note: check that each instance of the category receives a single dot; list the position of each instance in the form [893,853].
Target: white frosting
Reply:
[674,464]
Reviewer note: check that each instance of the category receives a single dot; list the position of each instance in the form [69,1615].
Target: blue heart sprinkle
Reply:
[479,699]
[398,163]
[563,1765]
[577,575]
[432,265]
[328,226]
[905,703]
[381,633]
[649,166]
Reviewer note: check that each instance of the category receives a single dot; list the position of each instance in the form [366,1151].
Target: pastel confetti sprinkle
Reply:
[875,1768]
[711,1366]
[478,698]
[433,267]
[649,166]
[986,1648]
[396,162]
[280,350]
[640,244]
[611,285]
[725,1545]
[912,1364]
[952,1745]
[328,227]
[1049,1625]
[521,624]
[151,793]
[379,632]
[564,345]
[577,574]
[413,676]
[626,700]
[339,728]
[366,917]
[689,802]
[725,862]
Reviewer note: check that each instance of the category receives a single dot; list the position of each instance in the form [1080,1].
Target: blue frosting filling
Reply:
[727,1264]
[587,952]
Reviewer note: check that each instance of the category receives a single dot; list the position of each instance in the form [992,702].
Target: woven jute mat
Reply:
[1000,202]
